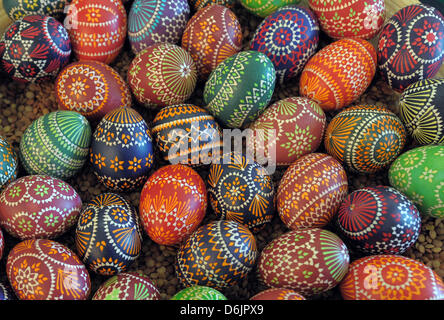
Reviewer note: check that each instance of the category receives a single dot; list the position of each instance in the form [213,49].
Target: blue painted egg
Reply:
[17,9]
[108,235]
[411,46]
[289,37]
[8,163]
[121,150]
[34,48]
[6,292]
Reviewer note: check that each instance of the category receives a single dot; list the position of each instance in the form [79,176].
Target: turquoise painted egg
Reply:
[8,163]
[199,293]
[240,88]
[17,9]
[56,144]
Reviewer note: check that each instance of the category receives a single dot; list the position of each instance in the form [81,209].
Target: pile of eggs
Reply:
[335,238]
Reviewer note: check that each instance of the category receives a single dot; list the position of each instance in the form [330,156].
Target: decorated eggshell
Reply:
[240,88]
[212,35]
[293,127]
[2,243]
[17,9]
[365,138]
[349,18]
[277,294]
[308,261]
[289,37]
[108,237]
[153,21]
[97,29]
[127,286]
[56,144]
[34,48]
[218,255]
[311,191]
[391,277]
[411,46]
[379,220]
[240,190]
[419,174]
[199,4]
[187,134]
[121,150]
[5,21]
[339,73]
[263,8]
[6,292]
[47,270]
[8,163]
[199,293]
[173,203]
[161,75]
[421,109]
[37,206]
[92,89]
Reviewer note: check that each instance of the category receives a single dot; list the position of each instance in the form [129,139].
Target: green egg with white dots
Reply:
[199,293]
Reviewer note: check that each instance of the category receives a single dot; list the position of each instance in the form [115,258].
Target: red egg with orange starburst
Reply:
[173,203]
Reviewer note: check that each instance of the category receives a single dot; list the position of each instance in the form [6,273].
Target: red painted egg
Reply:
[97,29]
[290,128]
[92,89]
[38,207]
[173,203]
[307,261]
[47,270]
[391,277]
[278,294]
[311,191]
[212,35]
[339,73]
[349,18]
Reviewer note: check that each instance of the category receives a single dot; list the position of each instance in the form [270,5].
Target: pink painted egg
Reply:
[47,270]
[278,294]
[311,191]
[38,206]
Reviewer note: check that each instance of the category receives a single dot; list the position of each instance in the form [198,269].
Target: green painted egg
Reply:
[419,174]
[8,163]
[56,144]
[199,293]
[240,88]
[263,8]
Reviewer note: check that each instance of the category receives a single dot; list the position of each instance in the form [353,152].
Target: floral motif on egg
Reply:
[17,9]
[263,8]
[8,163]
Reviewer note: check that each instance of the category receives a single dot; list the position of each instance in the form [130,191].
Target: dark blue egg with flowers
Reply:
[6,292]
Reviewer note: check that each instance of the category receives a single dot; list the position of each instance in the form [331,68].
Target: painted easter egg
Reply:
[37,206]
[289,128]
[218,255]
[173,203]
[241,190]
[311,191]
[162,75]
[349,18]
[277,294]
[34,49]
[263,8]
[419,174]
[6,292]
[47,270]
[127,286]
[5,21]
[212,35]
[379,220]
[121,150]
[108,237]
[339,73]
[411,46]
[56,144]
[289,37]
[92,89]
[421,109]
[97,29]
[308,261]
[8,163]
[240,88]
[187,134]
[153,21]
[365,138]
[2,244]
[199,4]
[17,9]
[199,293]
[391,277]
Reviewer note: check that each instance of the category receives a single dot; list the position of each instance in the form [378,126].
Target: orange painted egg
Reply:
[391,277]
[339,73]
[311,191]
[277,294]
